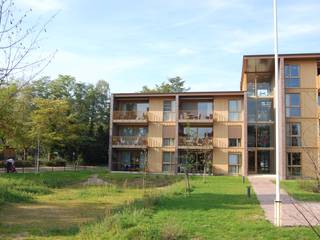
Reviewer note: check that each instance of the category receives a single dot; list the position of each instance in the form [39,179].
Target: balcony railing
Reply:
[129,140]
[196,141]
[130,115]
[194,115]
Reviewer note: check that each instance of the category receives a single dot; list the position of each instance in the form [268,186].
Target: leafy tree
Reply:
[174,85]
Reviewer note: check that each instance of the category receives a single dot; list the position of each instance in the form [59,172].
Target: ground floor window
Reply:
[167,161]
[234,160]
[195,161]
[294,164]
[128,160]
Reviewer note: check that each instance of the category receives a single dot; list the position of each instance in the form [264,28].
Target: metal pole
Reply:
[277,202]
[38,155]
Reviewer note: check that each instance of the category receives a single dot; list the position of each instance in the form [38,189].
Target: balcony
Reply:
[129,142]
[194,116]
[130,116]
[195,143]
[161,116]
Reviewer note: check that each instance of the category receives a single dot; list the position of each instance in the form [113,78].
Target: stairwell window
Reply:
[293,134]
[293,108]
[234,110]
[292,76]
[294,164]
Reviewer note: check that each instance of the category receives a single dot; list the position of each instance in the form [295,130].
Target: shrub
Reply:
[56,163]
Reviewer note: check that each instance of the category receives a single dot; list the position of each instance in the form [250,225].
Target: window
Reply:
[234,110]
[293,134]
[252,136]
[293,105]
[234,160]
[264,110]
[168,142]
[234,142]
[264,136]
[292,76]
[234,136]
[169,110]
[167,161]
[294,164]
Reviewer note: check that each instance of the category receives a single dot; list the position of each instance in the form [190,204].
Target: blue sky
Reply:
[143,42]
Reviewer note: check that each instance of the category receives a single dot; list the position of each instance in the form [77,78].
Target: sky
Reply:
[143,42]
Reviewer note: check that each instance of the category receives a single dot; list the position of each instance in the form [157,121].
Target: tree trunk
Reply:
[49,156]
[24,154]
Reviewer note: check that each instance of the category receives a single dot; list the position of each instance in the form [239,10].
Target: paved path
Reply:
[290,215]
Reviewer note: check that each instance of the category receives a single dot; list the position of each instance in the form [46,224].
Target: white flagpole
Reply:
[277,202]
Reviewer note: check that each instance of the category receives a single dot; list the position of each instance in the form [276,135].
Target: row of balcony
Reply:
[192,115]
[142,142]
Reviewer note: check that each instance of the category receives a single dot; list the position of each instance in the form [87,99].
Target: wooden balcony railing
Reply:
[130,115]
[129,140]
[194,115]
[196,141]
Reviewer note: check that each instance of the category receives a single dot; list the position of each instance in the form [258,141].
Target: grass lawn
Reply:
[47,208]
[302,190]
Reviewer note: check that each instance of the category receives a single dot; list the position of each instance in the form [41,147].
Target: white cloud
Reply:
[92,68]
[42,5]
[186,52]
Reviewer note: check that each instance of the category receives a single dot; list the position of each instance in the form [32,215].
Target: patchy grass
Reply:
[303,190]
[218,209]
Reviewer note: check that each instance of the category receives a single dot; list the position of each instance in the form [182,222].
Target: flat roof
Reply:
[286,55]
[194,94]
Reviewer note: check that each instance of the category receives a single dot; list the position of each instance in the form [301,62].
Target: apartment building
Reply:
[229,132]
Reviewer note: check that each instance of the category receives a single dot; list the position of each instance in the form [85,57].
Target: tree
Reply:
[18,41]
[174,85]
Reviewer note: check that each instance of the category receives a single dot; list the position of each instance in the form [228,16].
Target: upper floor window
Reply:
[259,84]
[292,75]
[293,134]
[293,105]
[234,110]
[234,136]
[169,110]
[168,142]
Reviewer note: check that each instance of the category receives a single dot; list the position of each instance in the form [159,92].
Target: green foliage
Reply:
[174,85]
[303,190]
[70,119]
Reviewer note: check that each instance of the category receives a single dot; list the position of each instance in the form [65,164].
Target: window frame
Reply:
[237,142]
[171,142]
[288,78]
[237,166]
[170,164]
[290,136]
[236,112]
[291,167]
[290,107]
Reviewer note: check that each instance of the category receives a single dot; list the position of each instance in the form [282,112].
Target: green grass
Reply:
[302,190]
[218,209]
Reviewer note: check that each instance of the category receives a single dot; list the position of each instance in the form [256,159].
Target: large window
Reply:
[234,110]
[252,109]
[294,163]
[167,161]
[259,84]
[234,160]
[169,110]
[133,131]
[292,76]
[264,136]
[293,105]
[264,110]
[196,110]
[252,136]
[293,134]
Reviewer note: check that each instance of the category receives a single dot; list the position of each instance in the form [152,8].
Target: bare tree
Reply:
[18,40]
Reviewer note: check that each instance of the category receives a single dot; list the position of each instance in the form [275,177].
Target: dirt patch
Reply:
[95,181]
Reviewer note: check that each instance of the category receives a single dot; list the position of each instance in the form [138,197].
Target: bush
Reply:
[56,163]
[21,163]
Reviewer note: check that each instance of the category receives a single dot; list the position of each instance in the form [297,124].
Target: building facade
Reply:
[225,132]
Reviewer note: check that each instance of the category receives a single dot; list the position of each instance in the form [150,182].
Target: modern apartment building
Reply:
[231,132]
